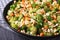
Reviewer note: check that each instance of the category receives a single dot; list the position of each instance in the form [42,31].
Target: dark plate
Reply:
[28,36]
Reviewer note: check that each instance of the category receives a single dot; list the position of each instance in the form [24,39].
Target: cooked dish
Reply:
[35,17]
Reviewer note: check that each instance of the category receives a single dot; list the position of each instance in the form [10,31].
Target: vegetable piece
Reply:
[24,27]
[13,19]
[39,20]
[27,18]
[23,1]
[51,7]
[11,14]
[13,25]
[46,9]
[12,7]
[38,26]
[34,10]
[54,10]
[49,18]
[16,15]
[58,19]
[58,1]
[33,30]
[20,17]
[35,0]
[34,5]
[46,26]
[48,4]
[42,5]
[54,17]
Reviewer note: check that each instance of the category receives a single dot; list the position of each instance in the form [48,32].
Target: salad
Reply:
[35,17]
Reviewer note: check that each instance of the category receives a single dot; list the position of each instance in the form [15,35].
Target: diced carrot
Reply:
[41,34]
[11,14]
[55,17]
[45,26]
[48,3]
[35,0]
[37,6]
[27,18]
[23,1]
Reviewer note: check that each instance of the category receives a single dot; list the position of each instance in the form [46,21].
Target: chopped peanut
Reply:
[26,15]
[17,15]
[42,11]
[8,17]
[54,17]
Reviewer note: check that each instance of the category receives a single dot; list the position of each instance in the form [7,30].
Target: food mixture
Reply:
[35,17]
